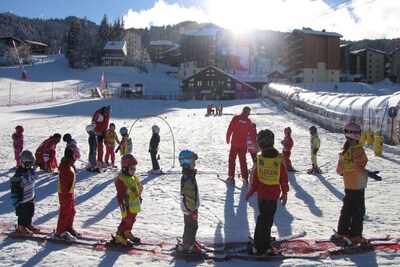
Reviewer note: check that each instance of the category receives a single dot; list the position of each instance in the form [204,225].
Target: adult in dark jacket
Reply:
[153,149]
[239,128]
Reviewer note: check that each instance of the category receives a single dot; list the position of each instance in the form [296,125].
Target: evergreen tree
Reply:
[72,43]
[103,36]
[117,32]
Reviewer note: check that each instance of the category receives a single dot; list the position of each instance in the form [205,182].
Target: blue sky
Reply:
[354,19]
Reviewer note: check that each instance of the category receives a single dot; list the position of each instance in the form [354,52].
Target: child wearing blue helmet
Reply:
[125,146]
[190,202]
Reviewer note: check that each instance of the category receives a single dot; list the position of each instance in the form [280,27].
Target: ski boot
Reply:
[183,248]
[314,169]
[131,237]
[74,233]
[359,240]
[231,180]
[33,228]
[23,230]
[94,169]
[120,239]
[66,236]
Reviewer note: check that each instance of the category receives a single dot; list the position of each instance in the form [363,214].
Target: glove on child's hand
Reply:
[194,215]
[283,198]
[315,151]
[374,175]
[122,207]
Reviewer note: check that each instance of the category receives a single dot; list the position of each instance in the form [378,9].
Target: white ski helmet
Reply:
[26,159]
[352,130]
[155,129]
[90,127]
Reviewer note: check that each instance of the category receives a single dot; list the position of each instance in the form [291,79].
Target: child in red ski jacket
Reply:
[18,142]
[287,143]
[129,197]
[66,186]
[270,181]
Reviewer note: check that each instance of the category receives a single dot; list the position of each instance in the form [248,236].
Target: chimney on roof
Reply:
[323,30]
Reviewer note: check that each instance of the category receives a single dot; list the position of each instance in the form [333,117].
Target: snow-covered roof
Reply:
[163,42]
[367,49]
[325,33]
[35,43]
[201,32]
[115,45]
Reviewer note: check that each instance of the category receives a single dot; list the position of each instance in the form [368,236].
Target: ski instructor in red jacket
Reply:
[101,118]
[239,128]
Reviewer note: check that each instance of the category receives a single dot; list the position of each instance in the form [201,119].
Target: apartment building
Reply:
[312,56]
[370,63]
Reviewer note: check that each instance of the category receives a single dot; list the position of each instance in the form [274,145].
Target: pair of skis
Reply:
[291,246]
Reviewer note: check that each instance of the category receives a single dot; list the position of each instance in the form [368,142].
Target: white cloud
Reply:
[355,19]
[162,14]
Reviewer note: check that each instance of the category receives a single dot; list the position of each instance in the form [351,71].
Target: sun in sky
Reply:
[233,15]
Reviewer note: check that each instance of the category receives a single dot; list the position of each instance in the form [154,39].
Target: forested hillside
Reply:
[83,39]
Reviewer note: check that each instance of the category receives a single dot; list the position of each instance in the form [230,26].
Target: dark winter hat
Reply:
[312,129]
[265,138]
[67,137]
[57,136]
[19,129]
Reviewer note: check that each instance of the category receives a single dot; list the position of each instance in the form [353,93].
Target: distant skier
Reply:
[239,128]
[125,146]
[315,145]
[18,142]
[190,201]
[129,197]
[101,118]
[66,185]
[219,109]
[351,165]
[111,141]
[23,193]
[287,143]
[210,109]
[153,149]
[270,181]
[46,153]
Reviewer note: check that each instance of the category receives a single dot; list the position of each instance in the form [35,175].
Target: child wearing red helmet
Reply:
[129,197]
